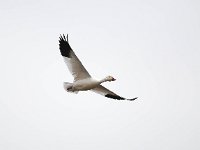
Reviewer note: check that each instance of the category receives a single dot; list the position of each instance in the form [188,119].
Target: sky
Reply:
[151,47]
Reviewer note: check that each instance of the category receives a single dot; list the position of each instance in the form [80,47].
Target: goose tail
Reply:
[68,87]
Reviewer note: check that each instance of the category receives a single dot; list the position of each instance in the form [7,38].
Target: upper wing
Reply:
[107,93]
[75,66]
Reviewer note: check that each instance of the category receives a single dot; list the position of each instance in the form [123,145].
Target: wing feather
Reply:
[109,94]
[74,65]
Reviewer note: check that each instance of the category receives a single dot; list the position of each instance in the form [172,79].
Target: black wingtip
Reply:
[132,99]
[64,46]
[114,97]
[119,97]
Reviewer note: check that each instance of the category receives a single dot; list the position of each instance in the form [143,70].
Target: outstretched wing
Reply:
[74,65]
[109,94]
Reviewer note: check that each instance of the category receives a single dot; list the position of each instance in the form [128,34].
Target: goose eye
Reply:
[113,79]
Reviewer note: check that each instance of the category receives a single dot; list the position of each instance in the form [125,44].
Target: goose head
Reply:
[110,78]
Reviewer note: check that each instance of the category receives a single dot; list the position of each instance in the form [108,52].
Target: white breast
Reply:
[85,84]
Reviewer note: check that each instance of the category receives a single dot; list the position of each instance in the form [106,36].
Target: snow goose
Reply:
[82,79]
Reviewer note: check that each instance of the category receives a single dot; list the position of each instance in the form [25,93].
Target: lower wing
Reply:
[109,94]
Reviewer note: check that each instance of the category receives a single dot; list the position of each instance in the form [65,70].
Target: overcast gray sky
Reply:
[152,48]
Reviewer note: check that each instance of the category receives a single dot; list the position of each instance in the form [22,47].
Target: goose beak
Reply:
[113,79]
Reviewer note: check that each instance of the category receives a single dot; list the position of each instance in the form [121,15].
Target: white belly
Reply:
[85,84]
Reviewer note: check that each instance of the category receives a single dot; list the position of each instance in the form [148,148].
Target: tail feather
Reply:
[68,87]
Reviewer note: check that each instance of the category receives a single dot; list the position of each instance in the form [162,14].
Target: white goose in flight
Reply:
[82,79]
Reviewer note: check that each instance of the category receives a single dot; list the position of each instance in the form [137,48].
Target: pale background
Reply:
[152,48]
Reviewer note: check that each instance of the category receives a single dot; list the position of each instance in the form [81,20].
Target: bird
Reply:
[82,79]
